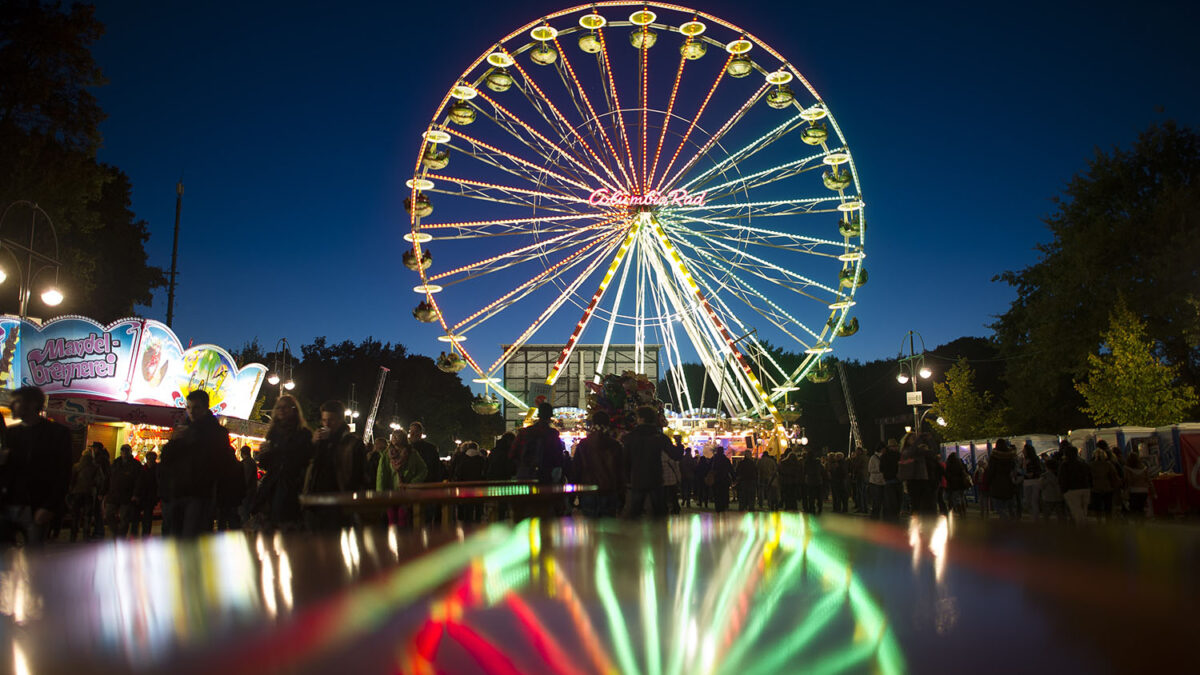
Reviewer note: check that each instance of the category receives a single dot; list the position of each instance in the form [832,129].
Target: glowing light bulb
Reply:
[273,379]
[902,378]
[52,296]
[925,372]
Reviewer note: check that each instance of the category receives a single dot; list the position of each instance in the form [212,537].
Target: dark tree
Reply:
[49,134]
[1126,227]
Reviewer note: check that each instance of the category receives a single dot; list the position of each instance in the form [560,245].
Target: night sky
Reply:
[294,126]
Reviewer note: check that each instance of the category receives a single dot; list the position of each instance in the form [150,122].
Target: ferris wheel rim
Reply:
[467,89]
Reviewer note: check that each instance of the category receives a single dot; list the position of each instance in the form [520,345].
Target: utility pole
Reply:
[174,254]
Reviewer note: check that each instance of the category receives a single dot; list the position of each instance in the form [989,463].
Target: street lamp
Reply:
[913,367]
[351,408]
[35,262]
[281,367]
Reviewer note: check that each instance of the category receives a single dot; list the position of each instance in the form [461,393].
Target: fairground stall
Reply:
[126,383]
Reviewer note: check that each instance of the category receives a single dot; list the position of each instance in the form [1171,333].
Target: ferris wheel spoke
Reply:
[705,335]
[485,228]
[772,238]
[692,125]
[482,194]
[714,139]
[765,208]
[767,176]
[715,271]
[644,71]
[592,111]
[746,151]
[537,281]
[667,118]
[537,247]
[615,103]
[733,317]
[671,343]
[510,190]
[554,306]
[511,262]
[519,172]
[588,312]
[757,394]
[759,264]
[578,162]
[477,145]
[539,145]
[570,130]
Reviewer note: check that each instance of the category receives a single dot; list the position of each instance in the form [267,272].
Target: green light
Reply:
[612,609]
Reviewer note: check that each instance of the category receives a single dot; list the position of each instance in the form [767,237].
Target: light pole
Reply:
[351,409]
[281,367]
[35,262]
[939,420]
[913,367]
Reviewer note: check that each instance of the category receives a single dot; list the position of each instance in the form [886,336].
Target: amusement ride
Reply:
[639,173]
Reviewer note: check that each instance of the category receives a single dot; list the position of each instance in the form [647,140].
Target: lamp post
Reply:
[940,421]
[351,409]
[35,262]
[281,367]
[913,367]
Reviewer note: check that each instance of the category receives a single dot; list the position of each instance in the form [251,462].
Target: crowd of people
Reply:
[202,485]
[1061,484]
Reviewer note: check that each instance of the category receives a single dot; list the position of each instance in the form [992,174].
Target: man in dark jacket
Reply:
[747,481]
[122,482]
[1002,464]
[539,449]
[687,474]
[35,469]
[249,480]
[192,462]
[339,455]
[500,464]
[1075,482]
[436,472]
[644,447]
[889,466]
[791,477]
[145,494]
[597,459]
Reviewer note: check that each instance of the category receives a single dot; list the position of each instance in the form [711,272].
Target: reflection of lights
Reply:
[267,586]
[914,540]
[937,546]
[285,573]
[20,663]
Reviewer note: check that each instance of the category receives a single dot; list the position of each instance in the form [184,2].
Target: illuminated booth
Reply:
[126,382]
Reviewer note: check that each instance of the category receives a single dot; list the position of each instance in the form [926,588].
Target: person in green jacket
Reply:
[399,466]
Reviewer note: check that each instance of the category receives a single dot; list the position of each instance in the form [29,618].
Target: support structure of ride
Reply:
[639,173]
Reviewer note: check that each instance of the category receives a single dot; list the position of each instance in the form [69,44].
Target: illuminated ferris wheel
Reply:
[645,174]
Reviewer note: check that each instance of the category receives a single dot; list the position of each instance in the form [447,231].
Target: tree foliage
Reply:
[1127,384]
[1127,227]
[968,412]
[415,389]
[49,135]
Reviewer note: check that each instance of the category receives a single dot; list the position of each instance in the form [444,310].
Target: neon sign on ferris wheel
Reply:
[680,197]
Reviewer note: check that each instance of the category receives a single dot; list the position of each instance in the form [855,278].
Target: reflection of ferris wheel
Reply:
[707,203]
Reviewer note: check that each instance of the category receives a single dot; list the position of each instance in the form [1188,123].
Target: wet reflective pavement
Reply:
[746,594]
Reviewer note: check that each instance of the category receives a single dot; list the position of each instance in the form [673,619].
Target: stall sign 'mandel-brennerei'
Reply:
[132,360]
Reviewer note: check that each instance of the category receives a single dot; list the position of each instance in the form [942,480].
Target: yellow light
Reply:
[52,297]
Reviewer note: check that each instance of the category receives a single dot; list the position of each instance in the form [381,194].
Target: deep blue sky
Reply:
[294,126]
